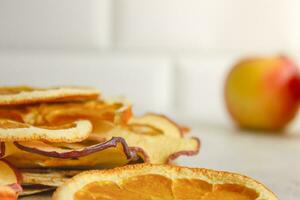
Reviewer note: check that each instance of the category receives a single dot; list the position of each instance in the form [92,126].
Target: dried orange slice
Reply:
[17,131]
[146,181]
[28,95]
[154,148]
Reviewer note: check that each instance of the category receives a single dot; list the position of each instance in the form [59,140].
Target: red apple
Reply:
[263,93]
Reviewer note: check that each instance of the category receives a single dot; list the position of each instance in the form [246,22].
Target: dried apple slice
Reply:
[146,181]
[62,113]
[87,154]
[160,148]
[160,122]
[92,110]
[28,95]
[40,180]
[10,178]
[144,129]
[16,131]
[8,173]
[49,177]
[67,151]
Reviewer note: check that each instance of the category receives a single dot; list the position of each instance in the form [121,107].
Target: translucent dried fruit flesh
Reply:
[17,131]
[160,122]
[62,113]
[146,182]
[93,111]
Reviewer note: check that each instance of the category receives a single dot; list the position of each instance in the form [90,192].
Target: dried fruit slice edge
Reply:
[49,150]
[120,175]
[28,95]
[49,177]
[161,122]
[16,131]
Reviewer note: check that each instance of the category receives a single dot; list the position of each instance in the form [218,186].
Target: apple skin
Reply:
[263,93]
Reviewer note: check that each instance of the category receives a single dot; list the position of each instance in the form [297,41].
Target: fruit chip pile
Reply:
[49,135]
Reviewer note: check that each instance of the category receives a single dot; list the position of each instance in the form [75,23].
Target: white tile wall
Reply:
[145,80]
[294,26]
[216,24]
[55,23]
[191,39]
[201,80]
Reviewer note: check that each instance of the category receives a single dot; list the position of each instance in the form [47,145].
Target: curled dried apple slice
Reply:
[160,148]
[87,154]
[28,95]
[160,122]
[16,131]
[146,181]
[67,151]
[10,178]
[61,113]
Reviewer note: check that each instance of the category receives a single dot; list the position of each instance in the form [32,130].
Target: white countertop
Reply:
[271,159]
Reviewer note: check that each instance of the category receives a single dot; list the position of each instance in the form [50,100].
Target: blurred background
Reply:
[167,56]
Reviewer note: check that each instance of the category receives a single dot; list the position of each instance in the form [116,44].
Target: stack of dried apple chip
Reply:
[49,135]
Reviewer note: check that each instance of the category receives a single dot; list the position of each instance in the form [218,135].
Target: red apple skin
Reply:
[263,93]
